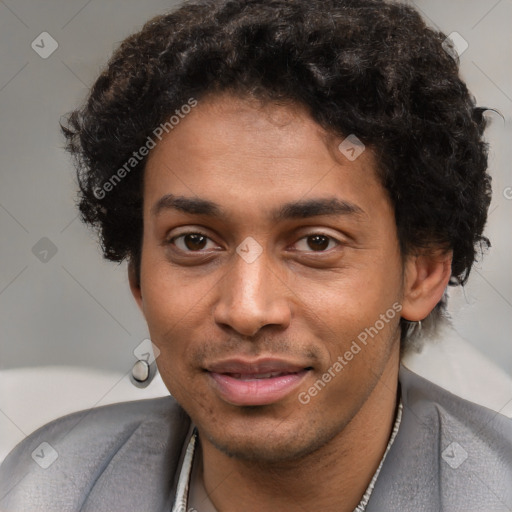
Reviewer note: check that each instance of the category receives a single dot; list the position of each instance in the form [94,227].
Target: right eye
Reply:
[190,242]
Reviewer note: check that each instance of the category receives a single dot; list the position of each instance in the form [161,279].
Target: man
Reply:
[294,185]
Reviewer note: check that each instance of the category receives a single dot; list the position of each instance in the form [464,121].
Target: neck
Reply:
[334,478]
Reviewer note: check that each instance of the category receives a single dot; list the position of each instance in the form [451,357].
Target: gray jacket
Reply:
[449,455]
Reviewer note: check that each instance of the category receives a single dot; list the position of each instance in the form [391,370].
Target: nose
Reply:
[252,296]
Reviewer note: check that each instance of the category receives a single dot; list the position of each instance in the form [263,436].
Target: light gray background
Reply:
[76,309]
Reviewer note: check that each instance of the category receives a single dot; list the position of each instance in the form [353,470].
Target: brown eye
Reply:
[318,242]
[195,241]
[190,242]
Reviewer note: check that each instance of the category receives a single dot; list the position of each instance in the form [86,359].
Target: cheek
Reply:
[168,306]
[352,301]
[168,295]
[356,319]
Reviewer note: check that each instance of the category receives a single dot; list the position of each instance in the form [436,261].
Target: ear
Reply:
[134,280]
[426,278]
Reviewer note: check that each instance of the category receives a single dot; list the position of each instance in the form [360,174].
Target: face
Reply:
[267,256]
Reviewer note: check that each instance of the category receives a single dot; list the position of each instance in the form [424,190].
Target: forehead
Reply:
[231,150]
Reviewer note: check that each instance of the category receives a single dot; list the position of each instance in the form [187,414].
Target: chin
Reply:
[269,445]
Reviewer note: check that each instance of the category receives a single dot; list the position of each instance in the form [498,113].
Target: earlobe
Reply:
[426,279]
[135,288]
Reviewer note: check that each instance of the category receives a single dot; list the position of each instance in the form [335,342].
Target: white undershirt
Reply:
[197,499]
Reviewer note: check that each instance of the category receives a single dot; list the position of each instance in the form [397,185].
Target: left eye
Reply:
[318,242]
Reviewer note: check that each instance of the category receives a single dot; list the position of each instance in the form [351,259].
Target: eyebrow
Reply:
[301,209]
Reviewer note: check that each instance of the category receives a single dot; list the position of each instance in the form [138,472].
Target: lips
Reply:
[262,382]
[247,376]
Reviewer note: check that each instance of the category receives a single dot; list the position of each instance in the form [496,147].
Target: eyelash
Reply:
[182,235]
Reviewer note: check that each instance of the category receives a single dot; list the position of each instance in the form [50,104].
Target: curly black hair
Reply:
[365,67]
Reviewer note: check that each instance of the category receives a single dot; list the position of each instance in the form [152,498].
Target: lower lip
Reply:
[256,391]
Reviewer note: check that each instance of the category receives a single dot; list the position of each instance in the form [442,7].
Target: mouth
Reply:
[262,382]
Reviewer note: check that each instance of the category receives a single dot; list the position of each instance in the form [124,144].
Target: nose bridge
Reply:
[250,280]
[251,296]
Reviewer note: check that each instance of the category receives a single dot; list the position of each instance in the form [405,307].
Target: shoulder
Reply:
[437,406]
[121,453]
[449,454]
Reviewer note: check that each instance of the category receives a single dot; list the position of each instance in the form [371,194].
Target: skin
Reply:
[303,299]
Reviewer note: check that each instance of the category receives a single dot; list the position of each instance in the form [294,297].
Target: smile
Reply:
[251,384]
